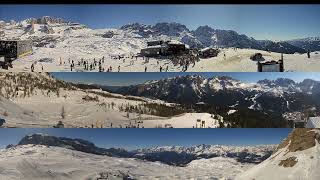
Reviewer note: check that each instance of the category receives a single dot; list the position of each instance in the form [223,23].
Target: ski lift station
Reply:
[163,48]
[13,49]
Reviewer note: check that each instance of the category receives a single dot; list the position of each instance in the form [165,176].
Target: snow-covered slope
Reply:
[16,115]
[40,162]
[297,157]
[56,40]
[161,103]
[39,100]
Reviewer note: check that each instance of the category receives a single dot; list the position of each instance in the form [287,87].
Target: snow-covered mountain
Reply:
[310,43]
[172,155]
[178,101]
[297,157]
[205,36]
[282,47]
[180,155]
[32,162]
[225,91]
[56,32]
[74,144]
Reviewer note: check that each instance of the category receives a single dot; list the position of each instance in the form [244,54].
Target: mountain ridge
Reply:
[202,36]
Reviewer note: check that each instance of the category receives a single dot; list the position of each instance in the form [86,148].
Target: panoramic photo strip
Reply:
[160,100]
[159,38]
[225,154]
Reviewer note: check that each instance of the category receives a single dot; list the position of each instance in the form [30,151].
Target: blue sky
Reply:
[275,22]
[127,78]
[137,138]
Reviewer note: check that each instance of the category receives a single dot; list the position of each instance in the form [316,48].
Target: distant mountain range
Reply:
[273,96]
[203,36]
[172,155]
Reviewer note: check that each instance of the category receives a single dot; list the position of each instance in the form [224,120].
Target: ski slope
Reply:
[69,42]
[236,60]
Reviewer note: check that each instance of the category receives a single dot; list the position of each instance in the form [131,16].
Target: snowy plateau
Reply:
[56,41]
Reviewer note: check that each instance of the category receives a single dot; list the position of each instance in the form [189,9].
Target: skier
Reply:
[145,69]
[308,53]
[100,68]
[32,67]
[42,67]
[160,68]
[167,69]
[119,68]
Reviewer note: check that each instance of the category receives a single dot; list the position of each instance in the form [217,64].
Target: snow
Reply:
[43,110]
[77,42]
[231,111]
[313,122]
[307,166]
[219,150]
[40,162]
[186,120]
[16,115]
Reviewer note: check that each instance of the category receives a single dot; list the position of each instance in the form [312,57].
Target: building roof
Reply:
[155,47]
[207,48]
[313,122]
[174,42]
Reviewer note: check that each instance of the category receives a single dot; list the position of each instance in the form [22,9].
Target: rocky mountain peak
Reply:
[300,139]
[134,26]
[279,82]
[45,20]
[170,29]
[74,144]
